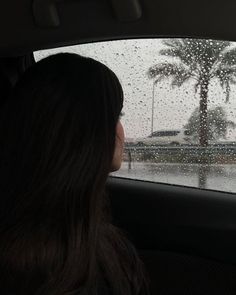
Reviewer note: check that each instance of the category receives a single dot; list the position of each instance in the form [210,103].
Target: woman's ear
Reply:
[119,147]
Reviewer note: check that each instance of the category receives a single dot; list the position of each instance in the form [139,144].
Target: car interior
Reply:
[185,236]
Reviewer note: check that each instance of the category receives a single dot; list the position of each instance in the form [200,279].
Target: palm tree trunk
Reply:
[203,133]
[202,175]
[203,130]
[153,95]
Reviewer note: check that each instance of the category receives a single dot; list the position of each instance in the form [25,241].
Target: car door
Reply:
[185,236]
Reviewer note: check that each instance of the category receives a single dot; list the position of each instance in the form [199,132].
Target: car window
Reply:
[179,109]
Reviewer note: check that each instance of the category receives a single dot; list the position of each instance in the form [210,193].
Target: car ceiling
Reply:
[29,25]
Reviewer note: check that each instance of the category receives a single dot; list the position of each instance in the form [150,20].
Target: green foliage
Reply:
[216,120]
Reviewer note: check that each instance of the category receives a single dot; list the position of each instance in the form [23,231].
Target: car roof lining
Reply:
[96,20]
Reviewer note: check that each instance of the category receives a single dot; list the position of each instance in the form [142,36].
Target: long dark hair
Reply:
[57,133]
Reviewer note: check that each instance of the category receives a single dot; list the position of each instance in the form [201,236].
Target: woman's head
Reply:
[61,123]
[74,105]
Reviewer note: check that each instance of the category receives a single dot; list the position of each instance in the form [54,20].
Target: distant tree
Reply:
[216,120]
[200,60]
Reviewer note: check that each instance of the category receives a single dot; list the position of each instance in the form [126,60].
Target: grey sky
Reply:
[130,60]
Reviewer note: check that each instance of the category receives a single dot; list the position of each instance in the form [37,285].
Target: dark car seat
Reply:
[11,68]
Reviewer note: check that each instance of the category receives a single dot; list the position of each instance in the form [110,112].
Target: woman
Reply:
[60,138]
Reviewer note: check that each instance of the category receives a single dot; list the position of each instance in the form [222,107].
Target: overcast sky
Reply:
[130,60]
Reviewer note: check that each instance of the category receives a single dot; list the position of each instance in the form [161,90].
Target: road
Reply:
[216,177]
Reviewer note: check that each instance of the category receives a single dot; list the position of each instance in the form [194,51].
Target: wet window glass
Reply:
[165,133]
[179,108]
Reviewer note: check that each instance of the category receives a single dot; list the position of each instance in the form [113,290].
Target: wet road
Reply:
[215,177]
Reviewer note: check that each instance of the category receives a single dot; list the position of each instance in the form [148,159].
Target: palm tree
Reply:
[200,60]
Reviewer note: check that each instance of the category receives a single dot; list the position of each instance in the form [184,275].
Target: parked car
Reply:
[166,137]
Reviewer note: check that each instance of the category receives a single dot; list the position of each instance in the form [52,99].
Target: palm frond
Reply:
[198,59]
[171,52]
[177,48]
[177,72]
[227,90]
[199,53]
[172,42]
[225,72]
[196,86]
[181,79]
[231,124]
[226,76]
[228,58]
